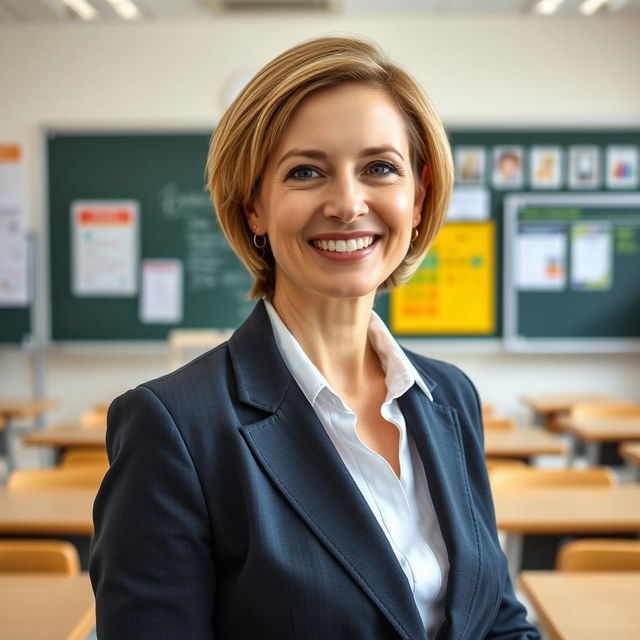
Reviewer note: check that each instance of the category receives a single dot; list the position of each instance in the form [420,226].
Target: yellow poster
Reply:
[453,290]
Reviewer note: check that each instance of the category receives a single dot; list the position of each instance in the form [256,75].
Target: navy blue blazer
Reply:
[227,513]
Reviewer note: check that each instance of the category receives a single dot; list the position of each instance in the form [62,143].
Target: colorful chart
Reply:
[453,290]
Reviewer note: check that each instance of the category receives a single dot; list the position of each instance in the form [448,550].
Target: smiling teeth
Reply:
[343,246]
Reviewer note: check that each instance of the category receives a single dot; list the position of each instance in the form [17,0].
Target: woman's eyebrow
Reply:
[321,155]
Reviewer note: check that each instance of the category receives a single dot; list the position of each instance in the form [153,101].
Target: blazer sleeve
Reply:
[151,562]
[510,622]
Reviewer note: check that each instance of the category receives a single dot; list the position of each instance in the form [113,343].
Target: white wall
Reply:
[477,71]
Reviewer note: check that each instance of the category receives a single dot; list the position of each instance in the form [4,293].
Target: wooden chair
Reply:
[41,556]
[499,424]
[504,463]
[84,456]
[530,477]
[80,476]
[599,555]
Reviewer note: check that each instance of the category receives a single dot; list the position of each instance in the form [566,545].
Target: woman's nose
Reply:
[345,200]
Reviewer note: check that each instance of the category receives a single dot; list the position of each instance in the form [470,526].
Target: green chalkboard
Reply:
[574,262]
[163,174]
[15,325]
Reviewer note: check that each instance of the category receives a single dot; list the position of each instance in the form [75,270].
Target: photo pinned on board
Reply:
[584,167]
[508,170]
[470,165]
[622,167]
[545,167]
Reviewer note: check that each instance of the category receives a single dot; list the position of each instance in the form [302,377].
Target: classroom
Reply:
[530,288]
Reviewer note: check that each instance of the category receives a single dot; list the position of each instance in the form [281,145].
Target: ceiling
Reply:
[16,11]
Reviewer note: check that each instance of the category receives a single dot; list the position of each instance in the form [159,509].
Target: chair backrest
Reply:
[81,476]
[487,410]
[605,410]
[42,556]
[94,419]
[599,555]
[85,455]
[499,424]
[504,463]
[530,477]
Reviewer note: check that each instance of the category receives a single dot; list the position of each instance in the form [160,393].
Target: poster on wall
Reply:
[541,260]
[161,300]
[453,290]
[105,241]
[591,256]
[14,250]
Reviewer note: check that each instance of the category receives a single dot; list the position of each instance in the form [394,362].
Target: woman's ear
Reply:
[421,190]
[253,217]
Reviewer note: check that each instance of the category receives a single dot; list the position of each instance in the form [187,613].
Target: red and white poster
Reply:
[105,237]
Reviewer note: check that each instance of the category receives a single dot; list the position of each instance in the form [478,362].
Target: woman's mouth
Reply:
[344,246]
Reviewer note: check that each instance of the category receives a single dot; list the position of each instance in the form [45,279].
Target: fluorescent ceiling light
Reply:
[82,8]
[126,9]
[589,7]
[547,7]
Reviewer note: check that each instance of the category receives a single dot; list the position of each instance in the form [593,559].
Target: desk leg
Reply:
[11,452]
[513,551]
[593,453]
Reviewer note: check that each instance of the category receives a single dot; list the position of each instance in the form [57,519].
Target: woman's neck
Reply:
[333,334]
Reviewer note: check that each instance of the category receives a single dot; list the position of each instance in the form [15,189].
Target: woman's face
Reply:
[338,197]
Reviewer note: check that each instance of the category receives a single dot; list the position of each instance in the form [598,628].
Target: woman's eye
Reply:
[382,169]
[303,173]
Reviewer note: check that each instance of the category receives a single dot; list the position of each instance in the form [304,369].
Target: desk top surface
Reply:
[45,606]
[585,605]
[25,407]
[67,435]
[611,428]
[53,511]
[559,402]
[521,442]
[558,510]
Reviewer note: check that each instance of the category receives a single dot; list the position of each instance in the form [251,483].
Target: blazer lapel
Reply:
[436,433]
[294,450]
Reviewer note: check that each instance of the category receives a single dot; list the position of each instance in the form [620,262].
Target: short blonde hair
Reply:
[252,126]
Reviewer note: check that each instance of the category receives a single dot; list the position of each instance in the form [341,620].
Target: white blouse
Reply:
[402,506]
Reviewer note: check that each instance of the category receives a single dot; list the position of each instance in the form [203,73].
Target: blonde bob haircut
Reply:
[252,126]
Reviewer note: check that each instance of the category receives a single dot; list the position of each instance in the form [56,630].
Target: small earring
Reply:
[415,234]
[256,244]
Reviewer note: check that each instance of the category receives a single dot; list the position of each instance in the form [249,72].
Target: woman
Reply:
[309,479]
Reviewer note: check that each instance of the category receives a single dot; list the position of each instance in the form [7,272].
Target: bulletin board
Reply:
[550,161]
[572,276]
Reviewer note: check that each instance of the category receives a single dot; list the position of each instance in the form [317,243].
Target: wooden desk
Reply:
[45,607]
[630,451]
[17,409]
[550,406]
[63,436]
[594,432]
[583,605]
[47,512]
[521,442]
[564,510]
